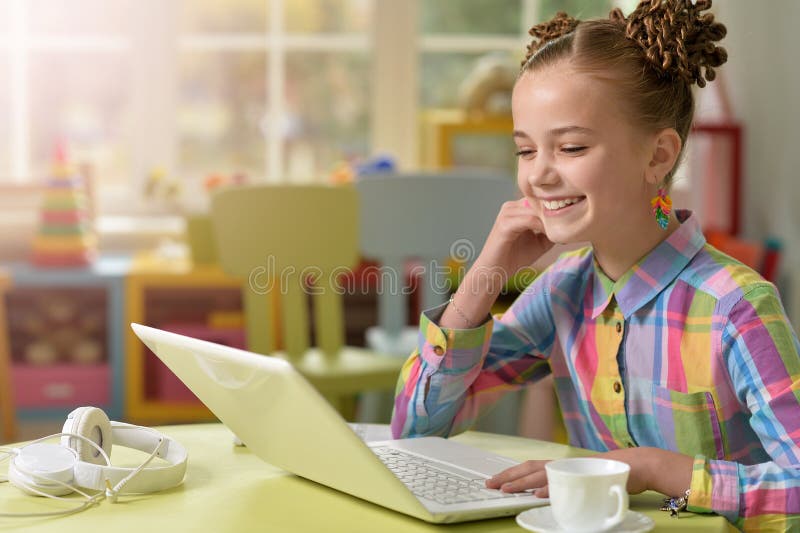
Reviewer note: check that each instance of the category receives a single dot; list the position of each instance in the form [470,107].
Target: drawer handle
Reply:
[59,391]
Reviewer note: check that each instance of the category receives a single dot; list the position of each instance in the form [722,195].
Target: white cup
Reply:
[588,494]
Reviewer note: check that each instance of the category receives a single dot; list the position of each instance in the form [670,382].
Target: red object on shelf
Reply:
[748,252]
[733,132]
[761,257]
[366,275]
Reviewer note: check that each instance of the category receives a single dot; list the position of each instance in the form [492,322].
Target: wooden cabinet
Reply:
[65,338]
[195,300]
[199,301]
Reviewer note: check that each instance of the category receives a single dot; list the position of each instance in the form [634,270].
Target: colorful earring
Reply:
[662,207]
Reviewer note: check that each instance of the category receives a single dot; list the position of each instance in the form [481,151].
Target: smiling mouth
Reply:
[557,205]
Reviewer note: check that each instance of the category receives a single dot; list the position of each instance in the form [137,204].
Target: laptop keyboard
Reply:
[427,480]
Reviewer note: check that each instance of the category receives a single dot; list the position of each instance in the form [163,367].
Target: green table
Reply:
[228,488]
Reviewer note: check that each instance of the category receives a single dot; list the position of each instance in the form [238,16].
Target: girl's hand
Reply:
[524,476]
[651,469]
[516,240]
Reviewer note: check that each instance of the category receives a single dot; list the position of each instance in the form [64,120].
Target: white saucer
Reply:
[540,520]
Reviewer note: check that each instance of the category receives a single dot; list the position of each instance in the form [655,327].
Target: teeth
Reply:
[559,204]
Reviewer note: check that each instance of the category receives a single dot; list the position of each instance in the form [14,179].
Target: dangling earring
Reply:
[662,207]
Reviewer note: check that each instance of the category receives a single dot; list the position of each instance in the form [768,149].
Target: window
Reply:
[68,83]
[327,111]
[81,98]
[581,9]
[222,102]
[459,38]
[5,111]
[5,103]
[454,34]
[232,16]
[280,90]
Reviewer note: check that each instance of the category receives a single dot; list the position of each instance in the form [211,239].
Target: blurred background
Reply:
[119,119]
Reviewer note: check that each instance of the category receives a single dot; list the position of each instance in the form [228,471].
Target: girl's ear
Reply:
[666,148]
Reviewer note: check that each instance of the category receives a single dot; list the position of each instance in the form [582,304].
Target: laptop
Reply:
[282,419]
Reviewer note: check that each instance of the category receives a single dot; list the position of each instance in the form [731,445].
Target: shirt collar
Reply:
[652,273]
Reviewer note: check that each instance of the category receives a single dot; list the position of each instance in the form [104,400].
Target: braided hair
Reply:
[654,55]
[677,39]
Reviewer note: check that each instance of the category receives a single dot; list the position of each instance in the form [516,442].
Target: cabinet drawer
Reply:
[61,385]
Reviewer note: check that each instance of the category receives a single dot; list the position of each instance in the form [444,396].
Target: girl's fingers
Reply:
[523,208]
[535,480]
[534,207]
[525,221]
[516,472]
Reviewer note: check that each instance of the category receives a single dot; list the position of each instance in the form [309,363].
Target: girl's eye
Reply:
[573,149]
[525,153]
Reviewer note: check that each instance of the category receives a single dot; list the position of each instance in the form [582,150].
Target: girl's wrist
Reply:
[668,472]
[472,301]
[487,276]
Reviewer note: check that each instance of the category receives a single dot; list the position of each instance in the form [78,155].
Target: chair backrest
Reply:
[426,216]
[277,236]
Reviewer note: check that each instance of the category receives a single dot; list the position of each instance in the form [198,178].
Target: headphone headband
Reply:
[88,467]
[152,478]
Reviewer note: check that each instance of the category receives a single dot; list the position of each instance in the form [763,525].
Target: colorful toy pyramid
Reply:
[65,237]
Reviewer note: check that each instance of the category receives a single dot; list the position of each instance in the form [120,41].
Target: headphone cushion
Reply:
[39,466]
[92,423]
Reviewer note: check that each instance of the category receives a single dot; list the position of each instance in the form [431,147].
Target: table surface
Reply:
[227,488]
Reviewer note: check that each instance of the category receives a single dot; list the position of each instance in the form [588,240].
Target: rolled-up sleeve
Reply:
[454,375]
[761,354]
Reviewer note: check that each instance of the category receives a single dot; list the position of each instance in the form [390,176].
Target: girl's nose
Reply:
[542,176]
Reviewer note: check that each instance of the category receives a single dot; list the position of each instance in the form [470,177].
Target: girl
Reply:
[667,354]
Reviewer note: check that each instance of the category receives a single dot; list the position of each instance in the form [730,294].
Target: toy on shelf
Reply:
[159,187]
[347,171]
[342,173]
[486,90]
[65,237]
[59,326]
[216,180]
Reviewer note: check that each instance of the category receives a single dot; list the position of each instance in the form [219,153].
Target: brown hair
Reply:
[654,55]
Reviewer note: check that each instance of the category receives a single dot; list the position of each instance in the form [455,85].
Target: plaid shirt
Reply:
[689,351]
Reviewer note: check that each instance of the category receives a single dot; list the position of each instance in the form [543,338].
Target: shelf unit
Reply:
[8,430]
[173,294]
[65,331]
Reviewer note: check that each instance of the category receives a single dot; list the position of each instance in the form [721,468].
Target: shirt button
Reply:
[617,387]
[619,327]
[438,350]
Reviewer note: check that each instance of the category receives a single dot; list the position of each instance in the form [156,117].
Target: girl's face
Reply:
[581,165]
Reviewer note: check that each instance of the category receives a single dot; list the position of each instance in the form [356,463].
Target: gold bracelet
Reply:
[460,312]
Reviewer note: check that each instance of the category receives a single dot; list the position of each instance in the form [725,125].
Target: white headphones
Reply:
[82,459]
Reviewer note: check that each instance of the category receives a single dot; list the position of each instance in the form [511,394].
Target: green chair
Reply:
[277,237]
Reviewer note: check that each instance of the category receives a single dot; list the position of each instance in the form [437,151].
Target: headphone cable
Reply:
[110,493]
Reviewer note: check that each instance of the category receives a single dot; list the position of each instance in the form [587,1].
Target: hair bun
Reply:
[677,38]
[545,32]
